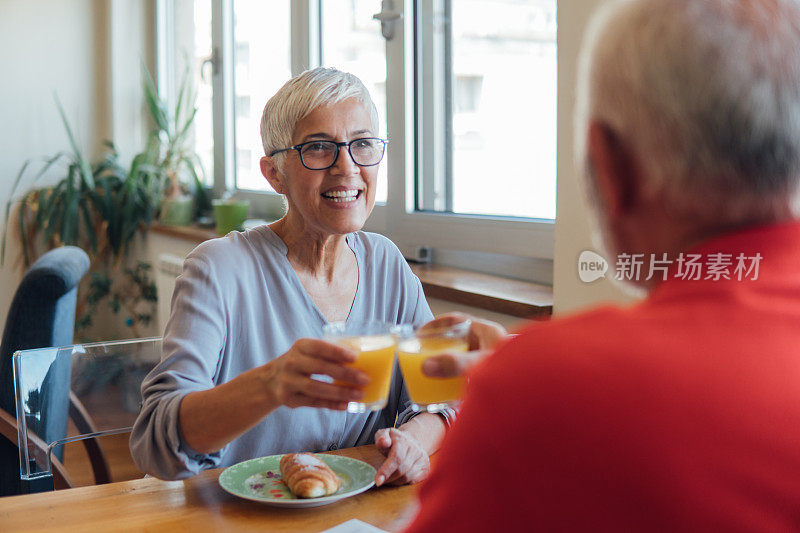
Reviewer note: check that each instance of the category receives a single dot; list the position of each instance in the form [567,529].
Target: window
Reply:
[500,109]
[352,41]
[262,63]
[465,90]
[188,47]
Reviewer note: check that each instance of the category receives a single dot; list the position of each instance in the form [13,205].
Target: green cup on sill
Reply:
[230,214]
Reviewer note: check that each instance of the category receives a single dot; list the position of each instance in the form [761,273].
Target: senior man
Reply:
[683,411]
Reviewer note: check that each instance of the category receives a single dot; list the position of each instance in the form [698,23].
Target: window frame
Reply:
[408,226]
[410,98]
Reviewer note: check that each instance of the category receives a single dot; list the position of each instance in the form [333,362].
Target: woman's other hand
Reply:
[290,383]
[406,460]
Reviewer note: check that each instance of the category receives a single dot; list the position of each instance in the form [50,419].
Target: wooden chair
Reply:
[9,430]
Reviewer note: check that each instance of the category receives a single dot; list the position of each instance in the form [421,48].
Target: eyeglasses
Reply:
[319,155]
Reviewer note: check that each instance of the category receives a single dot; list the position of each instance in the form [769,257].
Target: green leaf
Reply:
[154,103]
[45,205]
[86,172]
[54,221]
[87,220]
[84,321]
[21,223]
[182,92]
[48,164]
[180,137]
[8,211]
[69,218]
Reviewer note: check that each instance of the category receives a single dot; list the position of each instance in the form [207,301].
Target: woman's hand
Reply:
[483,336]
[289,380]
[406,461]
[238,405]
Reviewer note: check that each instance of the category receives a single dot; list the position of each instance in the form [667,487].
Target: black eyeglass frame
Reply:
[339,145]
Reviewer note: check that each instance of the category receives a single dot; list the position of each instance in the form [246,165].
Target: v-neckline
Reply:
[292,274]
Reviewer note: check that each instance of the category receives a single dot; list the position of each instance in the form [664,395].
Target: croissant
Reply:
[308,477]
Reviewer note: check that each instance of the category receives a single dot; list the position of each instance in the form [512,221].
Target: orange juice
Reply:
[376,359]
[426,390]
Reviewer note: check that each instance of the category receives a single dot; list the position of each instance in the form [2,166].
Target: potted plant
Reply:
[102,206]
[178,161]
[99,207]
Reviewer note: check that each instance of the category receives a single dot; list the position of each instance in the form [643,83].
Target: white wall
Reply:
[49,47]
[65,48]
[572,222]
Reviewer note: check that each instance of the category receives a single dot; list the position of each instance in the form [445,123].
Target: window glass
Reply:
[193,43]
[502,106]
[352,42]
[262,64]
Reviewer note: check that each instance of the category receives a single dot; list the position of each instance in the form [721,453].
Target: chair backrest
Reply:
[42,313]
[106,379]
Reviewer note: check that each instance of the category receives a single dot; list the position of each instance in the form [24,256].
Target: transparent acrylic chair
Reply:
[95,385]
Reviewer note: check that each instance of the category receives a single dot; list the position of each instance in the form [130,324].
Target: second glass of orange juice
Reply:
[413,347]
[375,345]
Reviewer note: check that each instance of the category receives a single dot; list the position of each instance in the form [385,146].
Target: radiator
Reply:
[168,269]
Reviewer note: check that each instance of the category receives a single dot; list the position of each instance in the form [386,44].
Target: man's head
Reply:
[688,118]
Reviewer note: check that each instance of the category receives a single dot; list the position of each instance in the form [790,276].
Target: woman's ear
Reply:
[269,168]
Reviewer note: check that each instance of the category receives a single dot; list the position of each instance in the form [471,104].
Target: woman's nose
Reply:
[345,163]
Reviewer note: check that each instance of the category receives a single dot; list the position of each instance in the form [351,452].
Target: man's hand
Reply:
[406,461]
[450,365]
[483,336]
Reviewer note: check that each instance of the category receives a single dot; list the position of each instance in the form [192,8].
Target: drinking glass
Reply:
[427,393]
[375,345]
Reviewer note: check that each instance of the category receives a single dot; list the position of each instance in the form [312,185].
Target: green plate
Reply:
[260,480]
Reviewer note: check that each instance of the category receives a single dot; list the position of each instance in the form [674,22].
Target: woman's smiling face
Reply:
[336,200]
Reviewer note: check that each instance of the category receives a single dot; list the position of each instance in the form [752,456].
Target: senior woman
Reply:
[240,350]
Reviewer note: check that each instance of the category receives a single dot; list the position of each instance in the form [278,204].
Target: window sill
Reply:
[189,233]
[512,297]
[493,293]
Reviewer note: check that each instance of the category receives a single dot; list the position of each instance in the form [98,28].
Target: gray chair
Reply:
[42,314]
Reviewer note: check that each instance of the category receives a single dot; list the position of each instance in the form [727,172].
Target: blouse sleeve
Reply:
[193,342]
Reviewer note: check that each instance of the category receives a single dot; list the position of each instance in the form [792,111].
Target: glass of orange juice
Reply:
[413,347]
[375,345]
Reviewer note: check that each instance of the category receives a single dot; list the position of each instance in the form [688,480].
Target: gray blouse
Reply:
[239,304]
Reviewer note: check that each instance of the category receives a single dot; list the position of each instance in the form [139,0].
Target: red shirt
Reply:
[679,413]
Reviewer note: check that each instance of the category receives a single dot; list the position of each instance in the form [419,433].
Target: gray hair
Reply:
[707,92]
[303,94]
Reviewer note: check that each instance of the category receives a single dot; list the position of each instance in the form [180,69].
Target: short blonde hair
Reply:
[303,94]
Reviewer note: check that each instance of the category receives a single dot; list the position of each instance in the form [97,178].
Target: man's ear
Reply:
[269,169]
[616,172]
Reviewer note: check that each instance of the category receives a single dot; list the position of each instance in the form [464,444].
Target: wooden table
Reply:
[198,504]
